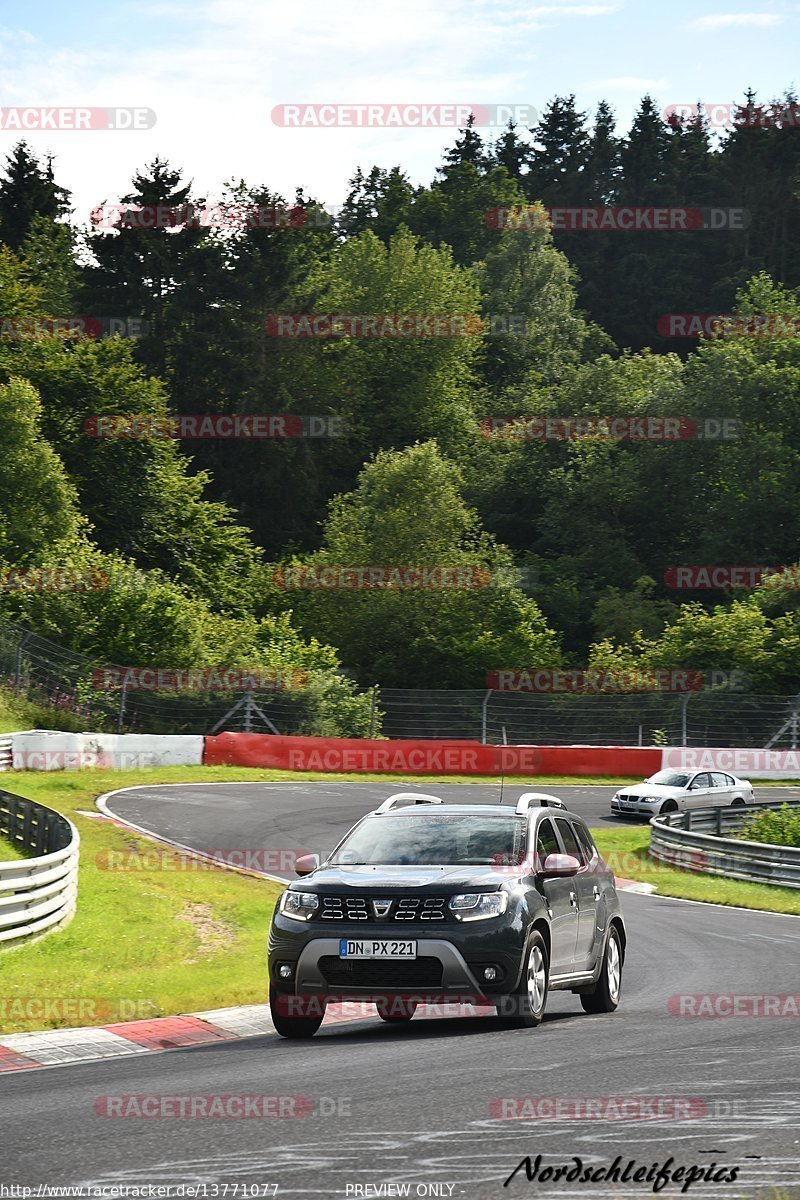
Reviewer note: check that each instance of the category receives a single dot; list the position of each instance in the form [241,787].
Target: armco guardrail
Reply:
[39,892]
[695,840]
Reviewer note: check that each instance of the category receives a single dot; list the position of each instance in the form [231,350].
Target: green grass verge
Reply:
[9,852]
[186,938]
[625,849]
[144,944]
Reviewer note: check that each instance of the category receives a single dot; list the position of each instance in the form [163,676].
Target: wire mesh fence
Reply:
[63,680]
[704,718]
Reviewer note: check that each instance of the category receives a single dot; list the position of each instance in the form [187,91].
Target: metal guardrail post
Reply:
[684,721]
[122,696]
[373,710]
[25,636]
[484,707]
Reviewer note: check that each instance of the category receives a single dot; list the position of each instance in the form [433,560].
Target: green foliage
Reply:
[619,614]
[738,637]
[594,523]
[48,257]
[392,391]
[137,492]
[773,827]
[407,511]
[38,503]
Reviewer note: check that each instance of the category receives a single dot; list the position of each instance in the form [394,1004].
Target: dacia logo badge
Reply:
[381,908]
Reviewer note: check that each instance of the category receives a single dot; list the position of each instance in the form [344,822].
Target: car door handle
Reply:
[573,899]
[596,892]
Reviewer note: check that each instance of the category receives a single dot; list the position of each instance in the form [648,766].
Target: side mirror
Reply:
[306,863]
[560,865]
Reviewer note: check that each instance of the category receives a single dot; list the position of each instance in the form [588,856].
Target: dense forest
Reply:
[566,547]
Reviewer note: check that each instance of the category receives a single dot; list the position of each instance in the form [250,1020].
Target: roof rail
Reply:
[417,797]
[530,800]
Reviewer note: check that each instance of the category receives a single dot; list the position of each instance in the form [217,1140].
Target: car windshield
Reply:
[435,839]
[669,779]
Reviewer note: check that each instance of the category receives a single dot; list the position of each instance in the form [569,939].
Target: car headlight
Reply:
[300,906]
[651,799]
[478,906]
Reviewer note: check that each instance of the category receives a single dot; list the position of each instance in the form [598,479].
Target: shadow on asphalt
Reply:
[433,1027]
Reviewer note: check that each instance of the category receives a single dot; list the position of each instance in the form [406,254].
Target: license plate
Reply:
[377,948]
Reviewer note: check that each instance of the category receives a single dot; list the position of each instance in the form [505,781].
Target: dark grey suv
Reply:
[480,902]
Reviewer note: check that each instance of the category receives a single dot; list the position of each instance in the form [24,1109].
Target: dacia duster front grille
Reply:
[406,910]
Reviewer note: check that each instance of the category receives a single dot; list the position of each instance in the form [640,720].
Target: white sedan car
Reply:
[669,791]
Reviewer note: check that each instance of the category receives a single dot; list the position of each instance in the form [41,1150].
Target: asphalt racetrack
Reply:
[435,1105]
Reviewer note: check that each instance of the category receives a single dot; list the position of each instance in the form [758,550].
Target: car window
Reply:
[669,779]
[417,839]
[546,841]
[584,841]
[701,781]
[730,781]
[719,780]
[568,838]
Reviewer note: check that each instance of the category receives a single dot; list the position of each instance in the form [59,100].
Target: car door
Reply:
[562,902]
[698,792]
[721,788]
[588,892]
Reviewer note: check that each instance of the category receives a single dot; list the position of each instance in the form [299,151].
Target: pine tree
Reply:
[645,157]
[357,213]
[380,201]
[28,190]
[148,265]
[467,148]
[603,158]
[511,152]
[559,159]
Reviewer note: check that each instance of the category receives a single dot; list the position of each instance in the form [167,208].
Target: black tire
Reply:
[295,1024]
[608,989]
[668,806]
[524,1008]
[396,1011]
[737,802]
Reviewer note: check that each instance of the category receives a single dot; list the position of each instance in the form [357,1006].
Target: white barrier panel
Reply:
[127,750]
[46,750]
[750,763]
[50,750]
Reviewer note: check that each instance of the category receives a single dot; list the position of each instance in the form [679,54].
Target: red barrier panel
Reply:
[425,757]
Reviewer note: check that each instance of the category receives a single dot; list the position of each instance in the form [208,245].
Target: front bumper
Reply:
[636,808]
[451,962]
[457,978]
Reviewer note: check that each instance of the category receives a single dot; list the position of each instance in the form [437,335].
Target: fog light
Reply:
[490,974]
[284,971]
